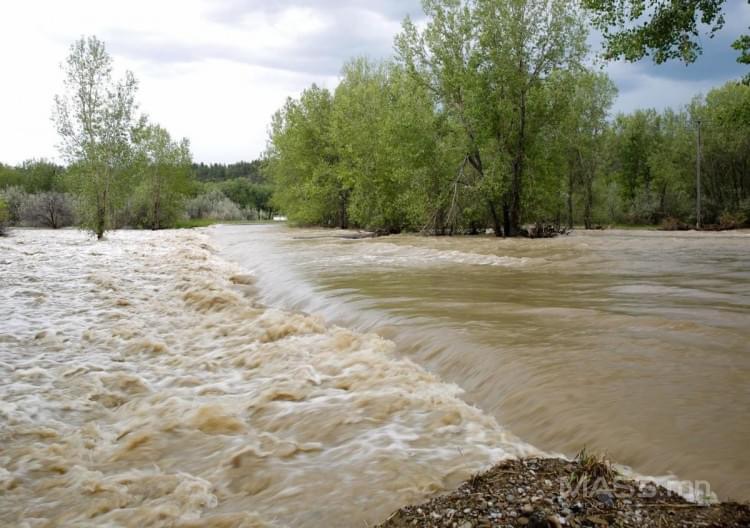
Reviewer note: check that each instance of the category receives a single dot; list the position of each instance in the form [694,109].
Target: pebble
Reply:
[606,499]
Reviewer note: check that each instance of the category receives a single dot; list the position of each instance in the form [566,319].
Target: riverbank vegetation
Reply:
[164,194]
[121,169]
[491,115]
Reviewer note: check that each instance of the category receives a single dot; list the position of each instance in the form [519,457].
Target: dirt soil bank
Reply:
[552,493]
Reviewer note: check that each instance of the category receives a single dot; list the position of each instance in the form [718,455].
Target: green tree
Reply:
[489,63]
[166,173]
[584,134]
[254,198]
[666,29]
[95,117]
[742,45]
[725,118]
[4,216]
[385,130]
[42,176]
[10,177]
[304,162]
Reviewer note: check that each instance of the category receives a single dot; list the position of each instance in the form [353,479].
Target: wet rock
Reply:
[606,499]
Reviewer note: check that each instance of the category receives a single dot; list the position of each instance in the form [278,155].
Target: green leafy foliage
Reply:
[164,174]
[95,118]
[633,29]
[4,216]
[304,162]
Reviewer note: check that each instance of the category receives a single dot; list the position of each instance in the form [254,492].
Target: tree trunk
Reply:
[516,186]
[495,219]
[343,217]
[507,229]
[588,203]
[101,217]
[570,195]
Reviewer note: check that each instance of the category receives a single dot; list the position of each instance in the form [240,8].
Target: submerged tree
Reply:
[94,118]
[165,168]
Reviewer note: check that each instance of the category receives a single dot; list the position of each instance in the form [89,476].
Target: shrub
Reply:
[47,209]
[213,205]
[673,224]
[14,198]
[4,216]
[735,220]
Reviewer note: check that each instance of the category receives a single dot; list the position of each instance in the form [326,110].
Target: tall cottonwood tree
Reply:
[304,161]
[389,136]
[94,117]
[591,97]
[488,62]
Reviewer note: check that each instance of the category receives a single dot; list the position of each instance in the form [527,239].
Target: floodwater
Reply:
[144,385]
[259,376]
[636,343]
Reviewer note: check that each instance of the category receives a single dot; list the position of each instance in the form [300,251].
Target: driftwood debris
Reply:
[542,230]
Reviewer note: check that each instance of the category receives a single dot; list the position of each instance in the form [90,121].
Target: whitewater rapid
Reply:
[145,385]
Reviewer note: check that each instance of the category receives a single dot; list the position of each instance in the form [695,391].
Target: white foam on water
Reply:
[144,385]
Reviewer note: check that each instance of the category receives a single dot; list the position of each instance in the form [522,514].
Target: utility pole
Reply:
[698,179]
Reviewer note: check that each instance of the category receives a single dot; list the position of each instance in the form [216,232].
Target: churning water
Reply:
[148,380]
[145,385]
[632,342]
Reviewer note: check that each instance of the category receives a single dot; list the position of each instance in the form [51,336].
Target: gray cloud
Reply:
[353,29]
[231,11]
[362,27]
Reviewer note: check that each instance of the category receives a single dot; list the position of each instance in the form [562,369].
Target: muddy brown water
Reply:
[143,385]
[259,376]
[636,343]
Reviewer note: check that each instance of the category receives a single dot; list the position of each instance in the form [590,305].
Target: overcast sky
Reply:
[215,70]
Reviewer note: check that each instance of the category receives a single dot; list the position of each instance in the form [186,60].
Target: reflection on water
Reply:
[143,385]
[630,342]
